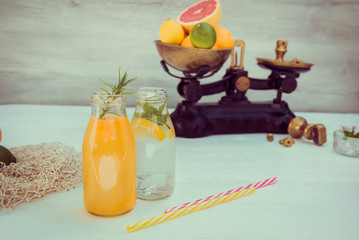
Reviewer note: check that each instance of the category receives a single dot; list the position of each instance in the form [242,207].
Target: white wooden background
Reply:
[51,52]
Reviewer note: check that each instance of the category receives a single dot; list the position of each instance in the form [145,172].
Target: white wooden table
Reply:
[316,197]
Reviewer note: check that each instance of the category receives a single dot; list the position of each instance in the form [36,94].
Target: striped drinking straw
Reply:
[258,185]
[189,209]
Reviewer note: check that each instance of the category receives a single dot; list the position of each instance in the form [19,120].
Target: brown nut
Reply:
[270,137]
[287,142]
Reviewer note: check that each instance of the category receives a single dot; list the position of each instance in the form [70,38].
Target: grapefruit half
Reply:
[208,11]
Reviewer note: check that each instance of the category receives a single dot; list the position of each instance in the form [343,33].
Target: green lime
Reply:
[203,35]
[6,156]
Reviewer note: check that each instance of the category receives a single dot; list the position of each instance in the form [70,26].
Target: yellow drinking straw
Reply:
[190,209]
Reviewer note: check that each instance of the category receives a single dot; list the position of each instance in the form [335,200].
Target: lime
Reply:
[6,156]
[203,35]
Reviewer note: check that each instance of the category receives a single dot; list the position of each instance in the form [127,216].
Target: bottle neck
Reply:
[106,106]
[152,94]
[151,100]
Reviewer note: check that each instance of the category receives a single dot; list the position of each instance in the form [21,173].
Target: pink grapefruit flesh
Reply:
[208,11]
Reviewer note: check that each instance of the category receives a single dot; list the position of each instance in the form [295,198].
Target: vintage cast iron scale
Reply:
[234,113]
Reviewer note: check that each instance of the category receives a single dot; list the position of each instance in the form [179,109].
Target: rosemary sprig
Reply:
[114,92]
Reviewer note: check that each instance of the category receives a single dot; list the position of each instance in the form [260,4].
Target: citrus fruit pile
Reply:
[197,27]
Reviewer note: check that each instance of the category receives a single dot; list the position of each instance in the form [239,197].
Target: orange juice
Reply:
[109,166]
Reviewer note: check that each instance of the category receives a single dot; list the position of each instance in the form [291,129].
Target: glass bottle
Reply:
[155,144]
[109,158]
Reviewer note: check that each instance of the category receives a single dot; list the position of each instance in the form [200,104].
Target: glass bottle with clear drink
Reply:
[155,144]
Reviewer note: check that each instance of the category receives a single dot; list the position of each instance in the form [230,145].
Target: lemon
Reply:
[171,32]
[203,35]
[6,156]
[145,128]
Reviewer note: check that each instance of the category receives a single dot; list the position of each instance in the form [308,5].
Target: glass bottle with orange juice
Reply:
[155,143]
[109,157]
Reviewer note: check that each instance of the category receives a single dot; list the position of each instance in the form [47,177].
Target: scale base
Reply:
[200,120]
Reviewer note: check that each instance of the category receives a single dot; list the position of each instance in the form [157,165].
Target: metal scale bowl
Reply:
[233,113]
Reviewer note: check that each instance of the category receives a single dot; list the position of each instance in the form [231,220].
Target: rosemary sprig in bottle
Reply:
[109,96]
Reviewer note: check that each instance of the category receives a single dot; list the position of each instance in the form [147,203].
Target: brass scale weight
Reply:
[234,113]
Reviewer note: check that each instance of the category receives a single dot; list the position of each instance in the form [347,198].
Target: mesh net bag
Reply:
[39,170]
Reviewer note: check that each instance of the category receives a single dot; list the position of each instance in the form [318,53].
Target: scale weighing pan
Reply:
[189,60]
[296,65]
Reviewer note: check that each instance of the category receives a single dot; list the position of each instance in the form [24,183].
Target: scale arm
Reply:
[262,84]
[215,87]
[283,81]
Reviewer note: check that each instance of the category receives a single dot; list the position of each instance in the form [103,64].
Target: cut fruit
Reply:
[171,134]
[208,11]
[145,128]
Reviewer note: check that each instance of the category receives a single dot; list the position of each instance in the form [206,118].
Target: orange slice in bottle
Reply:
[171,133]
[145,128]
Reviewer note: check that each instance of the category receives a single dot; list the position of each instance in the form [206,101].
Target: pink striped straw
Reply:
[261,184]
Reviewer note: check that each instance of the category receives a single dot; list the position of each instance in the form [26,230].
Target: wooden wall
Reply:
[52,52]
